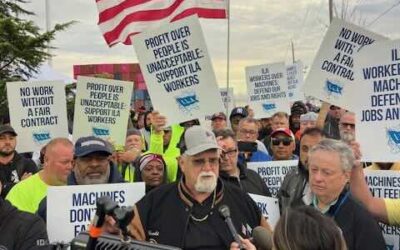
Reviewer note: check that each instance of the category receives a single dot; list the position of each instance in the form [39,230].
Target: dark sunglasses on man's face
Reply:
[285,141]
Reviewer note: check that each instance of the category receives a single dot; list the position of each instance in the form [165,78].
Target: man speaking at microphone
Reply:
[185,214]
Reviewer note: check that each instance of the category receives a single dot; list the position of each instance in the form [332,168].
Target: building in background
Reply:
[124,72]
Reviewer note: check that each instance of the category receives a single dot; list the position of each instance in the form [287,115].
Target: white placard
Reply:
[376,101]
[70,208]
[386,184]
[38,112]
[333,68]
[269,208]
[178,71]
[295,78]
[273,172]
[228,98]
[228,101]
[102,109]
[267,87]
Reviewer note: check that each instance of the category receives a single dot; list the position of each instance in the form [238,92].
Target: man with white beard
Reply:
[185,214]
[347,127]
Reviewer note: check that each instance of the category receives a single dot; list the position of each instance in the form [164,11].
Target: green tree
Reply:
[23,47]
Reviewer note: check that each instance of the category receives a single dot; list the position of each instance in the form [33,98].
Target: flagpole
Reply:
[228,11]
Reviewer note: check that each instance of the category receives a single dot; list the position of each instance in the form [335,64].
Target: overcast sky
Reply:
[261,31]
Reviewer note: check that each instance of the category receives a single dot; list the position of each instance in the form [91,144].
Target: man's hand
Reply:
[128,156]
[245,243]
[355,146]
[158,121]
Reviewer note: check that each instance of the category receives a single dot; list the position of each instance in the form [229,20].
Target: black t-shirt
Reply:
[11,173]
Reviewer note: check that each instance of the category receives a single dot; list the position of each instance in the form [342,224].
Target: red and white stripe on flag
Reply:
[120,19]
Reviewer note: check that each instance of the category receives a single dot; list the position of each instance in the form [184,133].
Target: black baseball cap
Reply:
[91,144]
[7,129]
[240,111]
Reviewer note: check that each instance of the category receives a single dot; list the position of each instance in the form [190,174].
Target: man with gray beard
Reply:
[347,125]
[92,163]
[185,214]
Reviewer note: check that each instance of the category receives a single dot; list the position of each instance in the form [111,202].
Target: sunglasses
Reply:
[345,125]
[284,141]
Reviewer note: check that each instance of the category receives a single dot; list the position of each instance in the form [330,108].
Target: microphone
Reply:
[95,229]
[262,238]
[226,214]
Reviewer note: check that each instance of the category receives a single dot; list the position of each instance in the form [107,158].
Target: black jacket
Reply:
[360,230]
[20,230]
[290,193]
[166,216]
[11,173]
[248,180]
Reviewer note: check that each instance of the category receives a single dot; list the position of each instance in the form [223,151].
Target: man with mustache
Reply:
[185,214]
[92,163]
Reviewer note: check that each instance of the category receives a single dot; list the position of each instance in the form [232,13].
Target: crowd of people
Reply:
[190,172]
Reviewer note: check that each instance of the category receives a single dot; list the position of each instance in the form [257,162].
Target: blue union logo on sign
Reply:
[100,131]
[269,106]
[187,101]
[393,135]
[41,137]
[333,88]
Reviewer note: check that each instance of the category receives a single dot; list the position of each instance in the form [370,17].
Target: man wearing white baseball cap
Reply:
[185,214]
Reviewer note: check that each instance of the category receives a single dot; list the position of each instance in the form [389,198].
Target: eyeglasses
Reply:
[229,153]
[285,141]
[250,132]
[345,125]
[332,107]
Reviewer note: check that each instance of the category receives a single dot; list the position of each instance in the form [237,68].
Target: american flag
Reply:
[121,19]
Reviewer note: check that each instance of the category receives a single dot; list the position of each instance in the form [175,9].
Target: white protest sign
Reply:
[38,112]
[228,98]
[178,71]
[70,208]
[386,184]
[269,208]
[376,101]
[295,81]
[273,172]
[102,108]
[267,89]
[332,70]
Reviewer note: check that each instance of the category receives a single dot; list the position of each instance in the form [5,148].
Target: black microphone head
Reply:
[262,238]
[224,211]
[101,204]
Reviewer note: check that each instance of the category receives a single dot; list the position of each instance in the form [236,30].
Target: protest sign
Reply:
[333,68]
[228,98]
[178,71]
[102,108]
[386,184]
[273,172]
[38,112]
[295,81]
[70,208]
[376,101]
[269,208]
[267,87]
